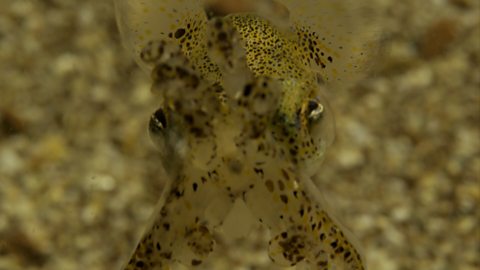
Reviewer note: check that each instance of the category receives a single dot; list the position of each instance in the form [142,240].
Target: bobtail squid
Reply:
[243,117]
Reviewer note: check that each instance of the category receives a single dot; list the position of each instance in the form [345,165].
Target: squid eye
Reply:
[158,122]
[321,124]
[319,132]
[162,133]
[314,110]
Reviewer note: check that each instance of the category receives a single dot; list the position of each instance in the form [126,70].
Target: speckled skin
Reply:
[242,117]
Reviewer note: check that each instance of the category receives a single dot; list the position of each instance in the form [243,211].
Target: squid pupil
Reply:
[158,121]
[312,105]
[315,110]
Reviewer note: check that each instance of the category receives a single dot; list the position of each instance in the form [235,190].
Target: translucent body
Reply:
[243,118]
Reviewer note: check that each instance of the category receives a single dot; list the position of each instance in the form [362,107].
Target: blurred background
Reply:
[79,176]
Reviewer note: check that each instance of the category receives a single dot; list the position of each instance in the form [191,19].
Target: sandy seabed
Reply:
[79,176]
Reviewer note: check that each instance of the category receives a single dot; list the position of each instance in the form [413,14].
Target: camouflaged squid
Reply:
[242,118]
